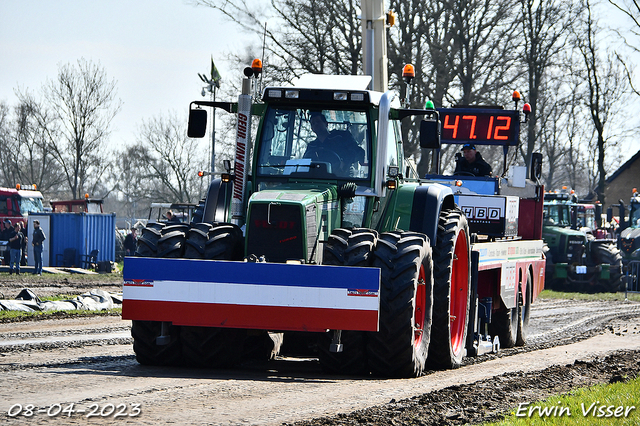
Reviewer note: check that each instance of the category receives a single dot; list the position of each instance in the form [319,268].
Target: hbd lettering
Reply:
[592,410]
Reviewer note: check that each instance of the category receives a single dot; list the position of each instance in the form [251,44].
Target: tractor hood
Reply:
[287,222]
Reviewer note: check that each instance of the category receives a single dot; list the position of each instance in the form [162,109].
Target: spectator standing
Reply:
[15,246]
[130,243]
[25,241]
[37,240]
[7,230]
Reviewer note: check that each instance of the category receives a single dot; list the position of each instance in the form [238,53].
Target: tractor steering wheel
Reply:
[329,156]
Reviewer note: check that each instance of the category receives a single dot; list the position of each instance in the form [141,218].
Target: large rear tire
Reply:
[451,291]
[171,243]
[347,248]
[147,243]
[401,346]
[608,254]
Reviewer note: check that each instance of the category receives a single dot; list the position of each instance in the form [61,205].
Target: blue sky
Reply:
[152,48]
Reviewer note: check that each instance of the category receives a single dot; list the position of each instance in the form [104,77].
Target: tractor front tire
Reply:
[347,247]
[145,346]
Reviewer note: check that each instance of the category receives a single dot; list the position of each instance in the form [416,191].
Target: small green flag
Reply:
[215,75]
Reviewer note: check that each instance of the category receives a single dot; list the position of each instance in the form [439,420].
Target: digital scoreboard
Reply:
[480,126]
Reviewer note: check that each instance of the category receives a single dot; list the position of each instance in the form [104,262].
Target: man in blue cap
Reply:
[472,162]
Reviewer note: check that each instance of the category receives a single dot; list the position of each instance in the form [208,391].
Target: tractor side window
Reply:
[4,209]
[279,142]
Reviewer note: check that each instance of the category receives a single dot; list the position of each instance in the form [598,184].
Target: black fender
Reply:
[216,205]
[428,202]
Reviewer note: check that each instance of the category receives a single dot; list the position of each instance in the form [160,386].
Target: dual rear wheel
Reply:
[400,347]
[511,324]
[412,328]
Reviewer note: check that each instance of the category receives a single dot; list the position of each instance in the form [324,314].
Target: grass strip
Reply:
[550,294]
[605,404]
[14,316]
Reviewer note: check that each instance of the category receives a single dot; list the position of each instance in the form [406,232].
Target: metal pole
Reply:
[213,138]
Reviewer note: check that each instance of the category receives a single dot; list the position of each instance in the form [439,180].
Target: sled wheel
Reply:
[524,313]
[504,324]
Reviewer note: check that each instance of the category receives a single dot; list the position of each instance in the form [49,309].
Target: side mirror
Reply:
[197,123]
[430,134]
[609,214]
[535,170]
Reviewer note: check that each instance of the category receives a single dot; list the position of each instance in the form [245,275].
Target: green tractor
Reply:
[576,259]
[629,232]
[339,250]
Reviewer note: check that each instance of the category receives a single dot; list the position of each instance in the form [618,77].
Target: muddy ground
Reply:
[491,400]
[88,361]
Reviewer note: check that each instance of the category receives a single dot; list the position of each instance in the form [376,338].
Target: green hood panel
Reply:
[297,193]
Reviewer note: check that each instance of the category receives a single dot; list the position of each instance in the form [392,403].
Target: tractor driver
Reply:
[337,147]
[471,162]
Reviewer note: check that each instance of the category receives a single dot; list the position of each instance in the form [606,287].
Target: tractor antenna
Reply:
[264,43]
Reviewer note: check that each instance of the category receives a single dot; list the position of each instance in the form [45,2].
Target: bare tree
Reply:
[630,35]
[545,30]
[606,86]
[487,36]
[465,52]
[133,182]
[81,102]
[164,164]
[318,36]
[27,157]
[6,143]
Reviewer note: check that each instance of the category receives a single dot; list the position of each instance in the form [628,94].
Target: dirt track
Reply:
[89,362]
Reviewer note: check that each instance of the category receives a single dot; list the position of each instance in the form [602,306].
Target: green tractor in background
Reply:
[576,259]
[629,231]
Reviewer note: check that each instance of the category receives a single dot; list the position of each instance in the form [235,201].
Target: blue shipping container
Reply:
[82,232]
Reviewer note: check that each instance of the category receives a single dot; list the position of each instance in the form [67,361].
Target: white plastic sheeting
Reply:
[94,300]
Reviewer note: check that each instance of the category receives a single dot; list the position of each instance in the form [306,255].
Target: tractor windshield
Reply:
[316,143]
[586,217]
[557,215]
